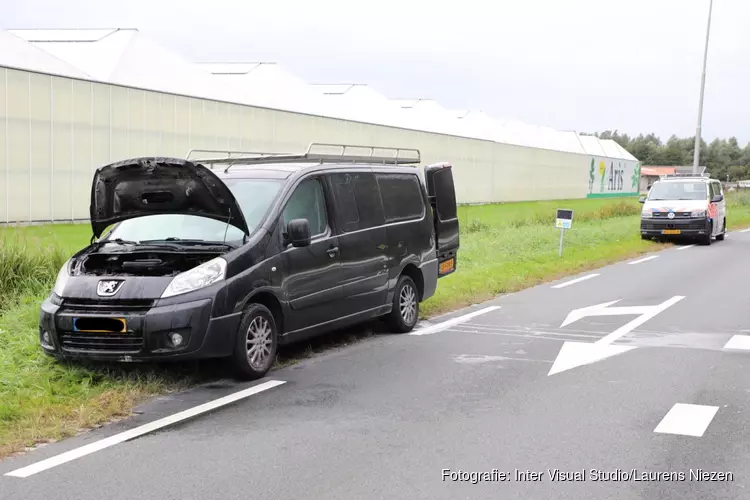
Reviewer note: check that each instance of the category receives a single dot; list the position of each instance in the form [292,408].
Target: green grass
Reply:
[504,248]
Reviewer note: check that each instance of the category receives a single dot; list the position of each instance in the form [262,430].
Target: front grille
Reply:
[677,215]
[98,305]
[674,224]
[102,342]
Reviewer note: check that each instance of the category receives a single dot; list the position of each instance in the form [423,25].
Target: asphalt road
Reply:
[385,417]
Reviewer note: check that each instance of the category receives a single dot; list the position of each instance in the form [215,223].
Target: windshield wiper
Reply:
[190,241]
[146,243]
[119,241]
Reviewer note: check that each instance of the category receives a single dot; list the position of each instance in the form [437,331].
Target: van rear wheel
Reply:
[256,343]
[405,312]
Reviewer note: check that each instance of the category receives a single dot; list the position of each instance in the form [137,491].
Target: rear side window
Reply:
[401,195]
[357,200]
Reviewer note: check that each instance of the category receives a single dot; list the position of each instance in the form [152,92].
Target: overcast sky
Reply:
[587,65]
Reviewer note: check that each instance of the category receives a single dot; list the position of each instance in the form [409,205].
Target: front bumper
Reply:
[688,227]
[146,335]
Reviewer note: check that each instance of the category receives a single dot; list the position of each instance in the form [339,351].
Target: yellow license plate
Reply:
[447,266]
[671,231]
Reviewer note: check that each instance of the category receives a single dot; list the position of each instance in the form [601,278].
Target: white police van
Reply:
[685,206]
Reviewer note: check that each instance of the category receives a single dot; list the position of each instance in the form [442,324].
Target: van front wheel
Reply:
[405,312]
[256,343]
[720,236]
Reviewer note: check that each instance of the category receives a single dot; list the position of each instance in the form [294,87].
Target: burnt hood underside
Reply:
[153,185]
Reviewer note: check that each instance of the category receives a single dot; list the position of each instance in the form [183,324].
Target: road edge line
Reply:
[141,430]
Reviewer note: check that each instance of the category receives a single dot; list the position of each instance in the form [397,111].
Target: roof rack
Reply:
[685,176]
[256,157]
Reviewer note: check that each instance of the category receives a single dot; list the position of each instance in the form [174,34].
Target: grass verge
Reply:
[504,248]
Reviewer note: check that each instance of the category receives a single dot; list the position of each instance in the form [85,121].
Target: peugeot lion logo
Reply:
[671,215]
[108,288]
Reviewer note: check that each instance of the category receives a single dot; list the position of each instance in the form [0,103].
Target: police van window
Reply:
[678,191]
[308,202]
[401,195]
[360,191]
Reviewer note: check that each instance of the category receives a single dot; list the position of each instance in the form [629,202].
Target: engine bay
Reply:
[140,263]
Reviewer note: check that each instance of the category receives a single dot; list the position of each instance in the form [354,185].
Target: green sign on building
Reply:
[610,178]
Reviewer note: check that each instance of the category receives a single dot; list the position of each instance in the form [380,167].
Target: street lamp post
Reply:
[697,149]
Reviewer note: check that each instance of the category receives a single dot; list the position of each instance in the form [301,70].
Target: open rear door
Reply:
[442,194]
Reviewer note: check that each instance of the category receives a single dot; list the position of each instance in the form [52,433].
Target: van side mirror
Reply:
[298,232]
[642,199]
[717,198]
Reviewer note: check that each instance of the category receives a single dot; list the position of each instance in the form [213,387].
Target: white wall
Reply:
[55,131]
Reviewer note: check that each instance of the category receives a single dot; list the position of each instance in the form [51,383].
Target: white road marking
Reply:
[687,420]
[577,280]
[744,230]
[574,354]
[652,257]
[473,359]
[685,247]
[428,330]
[740,342]
[141,430]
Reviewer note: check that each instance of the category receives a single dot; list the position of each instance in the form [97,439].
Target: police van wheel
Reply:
[707,238]
[405,312]
[256,342]
[720,236]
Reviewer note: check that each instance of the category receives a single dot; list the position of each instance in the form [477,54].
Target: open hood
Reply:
[153,185]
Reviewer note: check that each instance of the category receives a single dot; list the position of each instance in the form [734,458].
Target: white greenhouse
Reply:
[74,100]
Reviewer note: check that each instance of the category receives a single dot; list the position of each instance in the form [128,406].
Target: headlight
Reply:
[646,214]
[199,277]
[698,213]
[62,279]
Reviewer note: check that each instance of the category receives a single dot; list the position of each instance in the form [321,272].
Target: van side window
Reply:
[402,196]
[346,202]
[307,202]
[714,190]
[358,200]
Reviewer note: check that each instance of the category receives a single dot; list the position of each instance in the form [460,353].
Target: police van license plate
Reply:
[670,231]
[447,266]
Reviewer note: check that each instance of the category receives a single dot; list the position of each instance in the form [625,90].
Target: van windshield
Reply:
[678,191]
[254,196]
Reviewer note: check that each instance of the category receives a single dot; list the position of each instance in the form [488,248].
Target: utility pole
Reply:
[697,149]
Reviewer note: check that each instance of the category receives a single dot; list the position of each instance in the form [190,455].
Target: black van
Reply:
[188,261]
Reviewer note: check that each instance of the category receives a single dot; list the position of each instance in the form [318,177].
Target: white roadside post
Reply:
[563,221]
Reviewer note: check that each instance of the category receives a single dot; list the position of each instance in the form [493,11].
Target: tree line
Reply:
[723,158]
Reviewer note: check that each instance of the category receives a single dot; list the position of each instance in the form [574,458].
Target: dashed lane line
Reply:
[439,327]
[645,259]
[687,420]
[577,280]
[738,342]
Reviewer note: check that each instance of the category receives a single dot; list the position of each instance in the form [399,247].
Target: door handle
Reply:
[332,251]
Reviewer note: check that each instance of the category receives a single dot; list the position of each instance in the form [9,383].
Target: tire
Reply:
[720,236]
[405,312]
[257,321]
[644,237]
[707,239]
